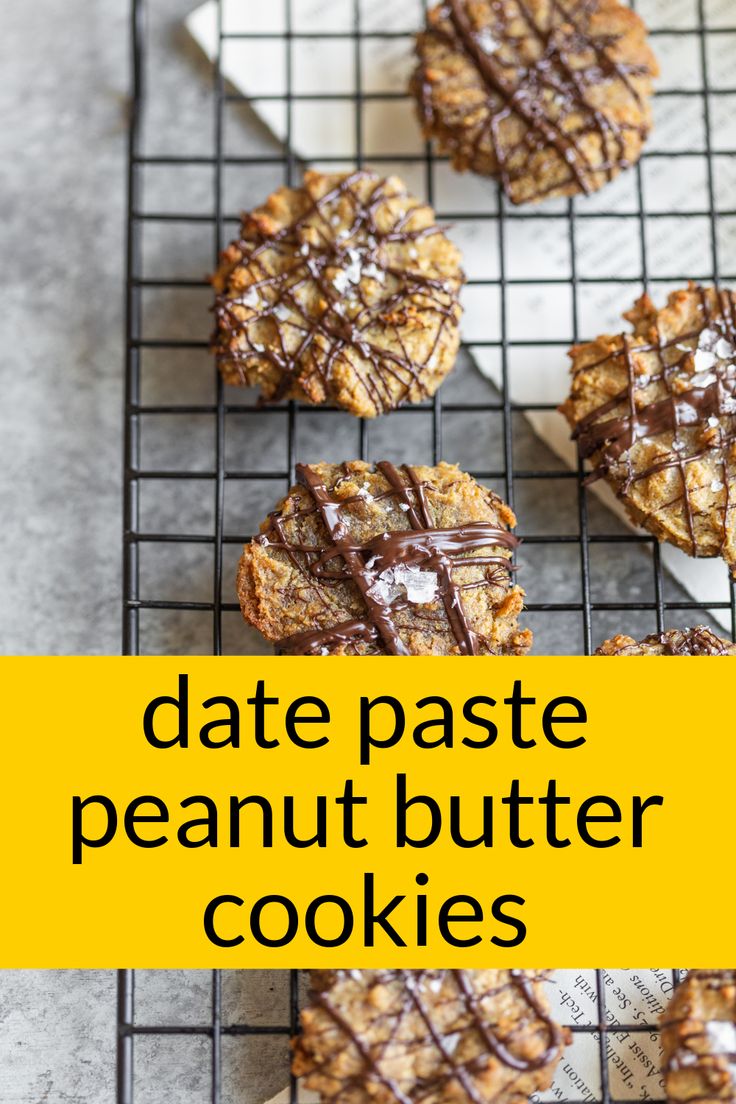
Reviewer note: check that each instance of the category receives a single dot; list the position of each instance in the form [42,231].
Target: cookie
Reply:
[550,96]
[655,412]
[699,641]
[429,1036]
[343,291]
[363,559]
[699,1038]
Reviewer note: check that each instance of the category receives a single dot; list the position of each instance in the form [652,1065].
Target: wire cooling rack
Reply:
[202,465]
[222,1037]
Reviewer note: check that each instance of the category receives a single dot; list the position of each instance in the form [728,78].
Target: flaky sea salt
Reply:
[258,347]
[716,485]
[354,270]
[713,422]
[708,339]
[419,586]
[722,1036]
[486,41]
[250,298]
[450,1042]
[704,360]
[724,349]
[685,1058]
[703,378]
[340,282]
[281,311]
[373,272]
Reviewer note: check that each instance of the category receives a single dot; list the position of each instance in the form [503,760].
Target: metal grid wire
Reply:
[230,474]
[215,1050]
[196,560]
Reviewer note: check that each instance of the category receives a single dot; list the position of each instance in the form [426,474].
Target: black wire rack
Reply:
[203,464]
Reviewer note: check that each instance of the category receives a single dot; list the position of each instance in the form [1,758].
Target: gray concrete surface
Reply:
[61,165]
[62,101]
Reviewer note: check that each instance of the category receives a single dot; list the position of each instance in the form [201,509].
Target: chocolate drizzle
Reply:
[468,1018]
[372,564]
[699,641]
[542,78]
[689,414]
[341,291]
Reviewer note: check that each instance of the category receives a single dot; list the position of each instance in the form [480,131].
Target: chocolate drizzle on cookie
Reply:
[689,399]
[544,78]
[699,641]
[426,995]
[393,567]
[339,292]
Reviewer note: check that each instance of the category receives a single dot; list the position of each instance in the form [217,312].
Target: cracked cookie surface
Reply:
[429,1036]
[654,411]
[550,96]
[362,559]
[343,291]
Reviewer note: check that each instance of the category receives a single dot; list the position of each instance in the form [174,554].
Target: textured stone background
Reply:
[62,101]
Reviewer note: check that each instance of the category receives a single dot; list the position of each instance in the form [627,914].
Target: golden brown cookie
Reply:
[699,1038]
[363,559]
[551,96]
[429,1036]
[342,291]
[655,412]
[699,641]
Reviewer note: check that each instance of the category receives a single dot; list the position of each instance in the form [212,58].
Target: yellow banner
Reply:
[251,812]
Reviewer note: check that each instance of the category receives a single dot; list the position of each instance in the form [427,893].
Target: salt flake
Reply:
[250,298]
[722,1036]
[708,339]
[340,281]
[704,360]
[420,586]
[486,41]
[374,272]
